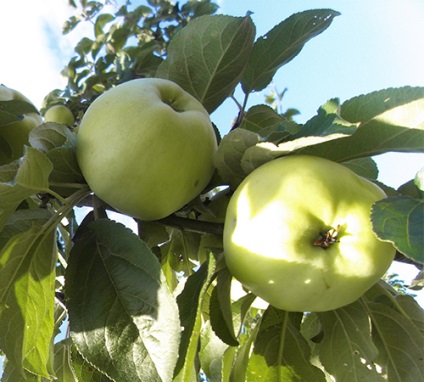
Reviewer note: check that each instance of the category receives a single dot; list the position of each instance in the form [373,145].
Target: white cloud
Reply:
[33,50]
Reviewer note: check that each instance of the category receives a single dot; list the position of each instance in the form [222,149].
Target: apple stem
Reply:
[327,238]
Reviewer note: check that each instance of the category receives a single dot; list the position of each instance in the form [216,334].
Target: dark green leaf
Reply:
[281,44]
[230,153]
[347,351]
[325,127]
[190,307]
[207,57]
[265,121]
[365,167]
[122,316]
[101,21]
[399,343]
[280,352]
[27,282]
[400,219]
[17,107]
[220,311]
[31,177]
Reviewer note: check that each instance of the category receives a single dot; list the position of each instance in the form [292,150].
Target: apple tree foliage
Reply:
[88,299]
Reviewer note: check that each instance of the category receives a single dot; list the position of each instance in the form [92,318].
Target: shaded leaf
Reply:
[365,167]
[207,57]
[220,311]
[400,219]
[18,183]
[390,120]
[230,153]
[347,351]
[399,343]
[325,127]
[280,352]
[190,307]
[122,316]
[281,44]
[27,282]
[266,122]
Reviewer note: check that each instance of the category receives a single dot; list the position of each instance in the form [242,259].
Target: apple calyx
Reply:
[328,238]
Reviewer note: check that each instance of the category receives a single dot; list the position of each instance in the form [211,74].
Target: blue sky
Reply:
[373,45]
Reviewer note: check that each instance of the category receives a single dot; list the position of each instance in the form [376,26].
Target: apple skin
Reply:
[146,147]
[59,114]
[15,135]
[273,226]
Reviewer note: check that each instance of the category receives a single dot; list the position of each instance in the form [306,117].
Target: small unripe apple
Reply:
[14,136]
[59,114]
[146,147]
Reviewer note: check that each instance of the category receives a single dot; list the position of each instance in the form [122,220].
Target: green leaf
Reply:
[207,57]
[14,110]
[18,183]
[281,44]
[220,311]
[211,353]
[325,127]
[123,318]
[27,282]
[190,307]
[230,153]
[62,361]
[400,219]
[365,167]
[50,135]
[83,370]
[280,352]
[399,343]
[389,120]
[101,21]
[266,122]
[347,351]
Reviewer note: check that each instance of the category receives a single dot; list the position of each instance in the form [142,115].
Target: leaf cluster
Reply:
[91,300]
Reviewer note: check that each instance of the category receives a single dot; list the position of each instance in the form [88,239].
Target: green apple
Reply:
[59,114]
[14,136]
[297,233]
[146,147]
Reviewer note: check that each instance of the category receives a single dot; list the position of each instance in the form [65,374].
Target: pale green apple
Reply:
[59,114]
[14,136]
[298,234]
[146,147]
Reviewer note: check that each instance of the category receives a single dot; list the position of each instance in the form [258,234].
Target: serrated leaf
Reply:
[50,135]
[399,343]
[62,362]
[27,282]
[20,182]
[365,167]
[347,351]
[390,120]
[83,370]
[230,153]
[266,122]
[123,318]
[208,56]
[220,311]
[281,44]
[190,307]
[211,353]
[280,352]
[400,219]
[326,126]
